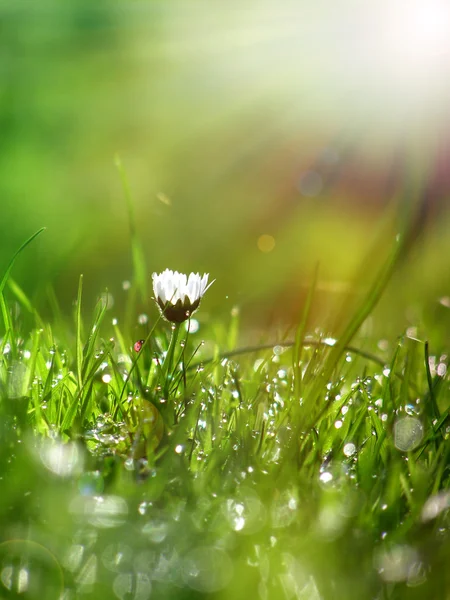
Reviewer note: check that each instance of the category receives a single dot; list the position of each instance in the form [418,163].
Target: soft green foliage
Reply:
[298,469]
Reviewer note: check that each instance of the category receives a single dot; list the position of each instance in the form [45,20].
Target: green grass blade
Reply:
[79,342]
[5,312]
[139,265]
[431,393]
[367,305]
[13,259]
[300,334]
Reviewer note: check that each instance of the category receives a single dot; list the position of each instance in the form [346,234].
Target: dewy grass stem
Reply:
[168,361]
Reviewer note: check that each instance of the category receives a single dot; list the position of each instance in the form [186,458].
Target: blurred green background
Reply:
[258,139]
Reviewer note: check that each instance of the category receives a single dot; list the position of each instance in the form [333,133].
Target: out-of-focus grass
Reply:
[232,123]
[247,473]
[255,144]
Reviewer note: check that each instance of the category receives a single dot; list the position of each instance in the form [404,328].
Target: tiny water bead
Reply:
[192,325]
[349,449]
[107,300]
[59,458]
[435,505]
[326,477]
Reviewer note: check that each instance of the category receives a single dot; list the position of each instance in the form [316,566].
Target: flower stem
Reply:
[168,361]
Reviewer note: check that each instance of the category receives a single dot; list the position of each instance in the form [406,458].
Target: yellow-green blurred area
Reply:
[258,139]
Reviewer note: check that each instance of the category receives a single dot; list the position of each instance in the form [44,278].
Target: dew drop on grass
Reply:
[441,369]
[192,326]
[156,530]
[408,433]
[349,449]
[142,508]
[326,477]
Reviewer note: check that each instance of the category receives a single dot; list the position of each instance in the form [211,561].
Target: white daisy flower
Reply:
[178,295]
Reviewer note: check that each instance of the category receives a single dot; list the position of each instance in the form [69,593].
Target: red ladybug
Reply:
[138,345]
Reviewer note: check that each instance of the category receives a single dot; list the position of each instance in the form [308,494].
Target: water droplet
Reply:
[441,369]
[129,464]
[107,300]
[435,505]
[61,459]
[349,449]
[192,326]
[326,477]
[408,433]
[156,530]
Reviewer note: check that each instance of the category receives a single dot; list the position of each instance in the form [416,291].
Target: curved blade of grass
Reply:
[13,259]
[4,308]
[23,299]
[287,344]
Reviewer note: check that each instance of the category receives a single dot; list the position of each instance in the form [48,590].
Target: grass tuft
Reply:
[196,468]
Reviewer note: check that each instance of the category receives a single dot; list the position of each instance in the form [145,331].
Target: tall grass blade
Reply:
[300,335]
[139,265]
